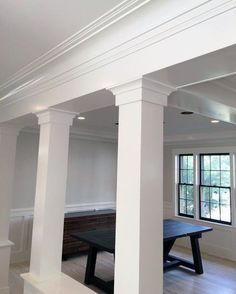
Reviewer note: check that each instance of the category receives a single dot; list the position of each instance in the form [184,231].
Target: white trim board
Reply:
[104,21]
[81,133]
[215,137]
[18,212]
[159,32]
[90,206]
[94,134]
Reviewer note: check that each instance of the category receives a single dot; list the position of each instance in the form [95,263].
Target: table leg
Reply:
[91,264]
[167,247]
[197,259]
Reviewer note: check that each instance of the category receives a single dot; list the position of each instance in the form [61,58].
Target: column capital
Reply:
[55,116]
[142,89]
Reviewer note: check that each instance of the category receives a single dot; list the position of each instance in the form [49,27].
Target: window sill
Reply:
[215,226]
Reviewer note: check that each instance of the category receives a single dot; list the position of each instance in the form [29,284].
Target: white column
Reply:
[49,207]
[8,139]
[139,221]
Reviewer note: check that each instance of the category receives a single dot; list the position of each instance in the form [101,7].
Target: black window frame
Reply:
[215,186]
[186,184]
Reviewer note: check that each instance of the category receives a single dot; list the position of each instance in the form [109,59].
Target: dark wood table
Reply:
[105,240]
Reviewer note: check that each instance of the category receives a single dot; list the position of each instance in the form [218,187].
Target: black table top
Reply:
[173,229]
[101,239]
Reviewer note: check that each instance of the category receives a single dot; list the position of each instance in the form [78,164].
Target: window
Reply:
[185,186]
[203,186]
[215,194]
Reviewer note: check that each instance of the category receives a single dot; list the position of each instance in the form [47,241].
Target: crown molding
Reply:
[107,19]
[94,135]
[201,138]
[85,134]
[112,136]
[156,34]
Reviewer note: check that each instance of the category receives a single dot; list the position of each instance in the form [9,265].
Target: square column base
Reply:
[62,284]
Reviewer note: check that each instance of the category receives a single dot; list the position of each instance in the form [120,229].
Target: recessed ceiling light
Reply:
[186,112]
[81,117]
[215,121]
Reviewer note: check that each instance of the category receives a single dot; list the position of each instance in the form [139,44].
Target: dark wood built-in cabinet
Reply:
[84,221]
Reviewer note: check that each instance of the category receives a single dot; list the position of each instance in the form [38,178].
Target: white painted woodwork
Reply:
[129,42]
[21,224]
[24,32]
[141,40]
[8,138]
[50,193]
[139,221]
[62,284]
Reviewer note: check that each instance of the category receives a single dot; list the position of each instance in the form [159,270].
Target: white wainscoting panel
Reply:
[21,235]
[220,242]
[21,225]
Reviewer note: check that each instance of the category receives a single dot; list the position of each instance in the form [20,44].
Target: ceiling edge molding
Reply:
[79,133]
[160,32]
[107,19]
[198,138]
[110,136]
[93,135]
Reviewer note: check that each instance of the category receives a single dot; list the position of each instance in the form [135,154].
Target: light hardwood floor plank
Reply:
[219,275]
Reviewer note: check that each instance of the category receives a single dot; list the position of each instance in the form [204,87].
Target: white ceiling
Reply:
[174,122]
[178,124]
[30,28]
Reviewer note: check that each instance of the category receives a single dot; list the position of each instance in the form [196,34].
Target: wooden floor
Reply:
[219,276]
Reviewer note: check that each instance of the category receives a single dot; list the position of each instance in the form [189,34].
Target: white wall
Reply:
[221,241]
[91,171]
[91,183]
[25,170]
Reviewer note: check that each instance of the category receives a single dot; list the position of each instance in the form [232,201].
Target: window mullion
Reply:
[233,188]
[196,183]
